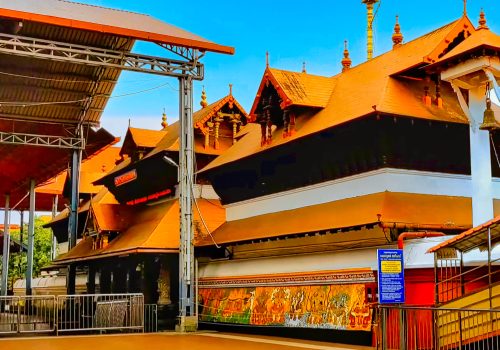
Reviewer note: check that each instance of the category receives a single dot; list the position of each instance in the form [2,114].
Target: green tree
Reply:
[18,262]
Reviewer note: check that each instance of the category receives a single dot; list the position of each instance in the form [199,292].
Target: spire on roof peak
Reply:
[397,37]
[465,7]
[346,61]
[230,89]
[482,20]
[164,123]
[267,59]
[203,102]
[304,67]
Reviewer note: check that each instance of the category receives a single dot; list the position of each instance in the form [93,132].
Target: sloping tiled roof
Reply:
[405,208]
[371,87]
[145,137]
[171,142]
[473,238]
[150,229]
[479,38]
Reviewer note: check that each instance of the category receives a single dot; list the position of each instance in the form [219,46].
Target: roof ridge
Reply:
[301,73]
[451,24]
[102,7]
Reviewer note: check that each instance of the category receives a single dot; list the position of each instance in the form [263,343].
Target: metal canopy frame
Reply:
[186,70]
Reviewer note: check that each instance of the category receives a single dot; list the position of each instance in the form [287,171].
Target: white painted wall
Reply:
[415,256]
[388,179]
[482,191]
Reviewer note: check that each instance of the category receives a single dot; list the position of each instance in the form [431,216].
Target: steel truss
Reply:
[42,140]
[58,51]
[187,70]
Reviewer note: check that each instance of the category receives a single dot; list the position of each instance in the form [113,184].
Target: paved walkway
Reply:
[196,341]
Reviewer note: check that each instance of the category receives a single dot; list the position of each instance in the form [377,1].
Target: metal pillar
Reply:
[6,247]
[53,247]
[186,250]
[73,216]
[31,238]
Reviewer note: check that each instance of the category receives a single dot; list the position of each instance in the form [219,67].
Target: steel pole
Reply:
[31,238]
[53,247]
[186,250]
[6,247]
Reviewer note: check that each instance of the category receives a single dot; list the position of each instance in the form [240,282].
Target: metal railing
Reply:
[150,318]
[418,328]
[27,314]
[100,312]
[74,313]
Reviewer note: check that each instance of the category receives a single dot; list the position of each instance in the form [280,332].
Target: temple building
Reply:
[129,229]
[342,165]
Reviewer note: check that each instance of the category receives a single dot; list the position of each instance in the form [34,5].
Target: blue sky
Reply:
[292,31]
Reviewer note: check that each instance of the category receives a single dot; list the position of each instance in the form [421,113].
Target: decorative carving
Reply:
[164,286]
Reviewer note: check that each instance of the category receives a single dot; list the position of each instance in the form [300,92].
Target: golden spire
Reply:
[267,59]
[397,37]
[369,29]
[164,123]
[304,67]
[346,61]
[230,89]
[203,102]
[482,21]
[465,7]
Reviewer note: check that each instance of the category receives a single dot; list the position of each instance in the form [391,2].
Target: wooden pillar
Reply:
[91,279]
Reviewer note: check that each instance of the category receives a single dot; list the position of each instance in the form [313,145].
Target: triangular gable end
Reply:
[462,29]
[268,82]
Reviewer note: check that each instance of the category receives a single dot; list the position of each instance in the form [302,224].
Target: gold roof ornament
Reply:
[304,67]
[346,61]
[370,16]
[397,37]
[203,102]
[164,123]
[482,21]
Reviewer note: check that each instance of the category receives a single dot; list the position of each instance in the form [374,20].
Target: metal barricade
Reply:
[100,312]
[418,328]
[27,314]
[150,318]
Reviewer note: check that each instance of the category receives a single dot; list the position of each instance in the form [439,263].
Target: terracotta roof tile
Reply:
[149,229]
[363,90]
[479,38]
[452,212]
[473,237]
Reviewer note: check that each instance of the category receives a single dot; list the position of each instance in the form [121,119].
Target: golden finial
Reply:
[346,61]
[370,16]
[230,89]
[304,67]
[164,123]
[465,7]
[397,37]
[203,102]
[482,20]
[267,59]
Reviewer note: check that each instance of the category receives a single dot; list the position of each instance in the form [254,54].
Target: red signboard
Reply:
[125,178]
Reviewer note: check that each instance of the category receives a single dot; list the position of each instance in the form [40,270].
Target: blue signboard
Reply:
[391,276]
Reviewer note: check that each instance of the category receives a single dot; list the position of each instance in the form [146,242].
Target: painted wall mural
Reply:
[340,306]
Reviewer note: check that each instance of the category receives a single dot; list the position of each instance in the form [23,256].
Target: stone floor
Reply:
[191,341]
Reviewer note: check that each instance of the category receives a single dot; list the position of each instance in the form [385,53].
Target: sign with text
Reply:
[125,178]
[391,276]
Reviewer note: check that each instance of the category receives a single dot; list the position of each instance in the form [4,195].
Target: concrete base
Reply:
[187,324]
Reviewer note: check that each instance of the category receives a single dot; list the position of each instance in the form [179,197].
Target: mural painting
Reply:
[340,306]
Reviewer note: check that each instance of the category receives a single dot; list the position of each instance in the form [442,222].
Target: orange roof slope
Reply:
[473,238]
[479,38]
[371,87]
[146,138]
[106,20]
[405,208]
[171,142]
[151,229]
[298,89]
